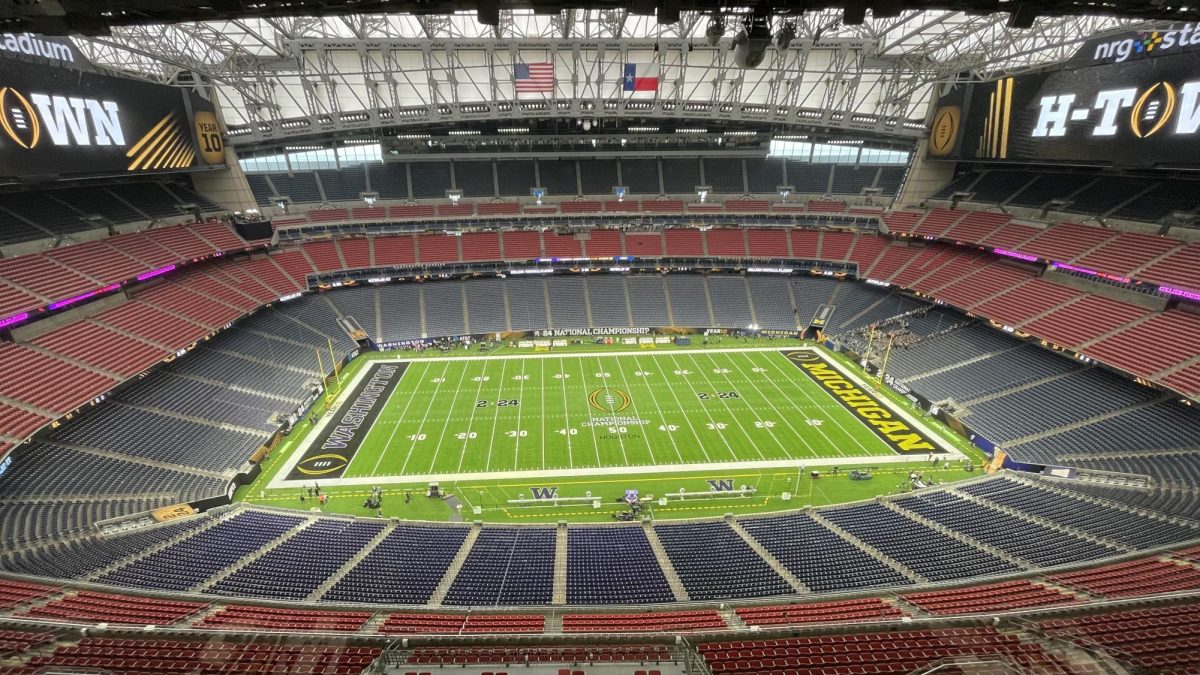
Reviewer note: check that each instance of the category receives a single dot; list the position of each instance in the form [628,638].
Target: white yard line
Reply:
[620,440]
[637,413]
[446,424]
[795,382]
[462,454]
[687,418]
[421,426]
[778,412]
[832,403]
[566,419]
[495,418]
[595,440]
[520,406]
[732,414]
[400,420]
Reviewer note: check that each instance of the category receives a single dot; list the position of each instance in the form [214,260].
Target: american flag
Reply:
[533,77]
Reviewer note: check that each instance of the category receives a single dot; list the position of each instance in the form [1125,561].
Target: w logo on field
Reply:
[609,400]
[721,485]
[544,492]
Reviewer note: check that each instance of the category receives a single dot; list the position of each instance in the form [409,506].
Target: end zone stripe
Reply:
[337,444]
[868,408]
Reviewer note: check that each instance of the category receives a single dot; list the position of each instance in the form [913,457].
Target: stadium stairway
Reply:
[664,562]
[797,585]
[100,573]
[257,359]
[1182,365]
[1119,329]
[863,546]
[559,595]
[954,534]
[144,461]
[587,306]
[1029,517]
[234,387]
[74,361]
[443,587]
[251,557]
[1020,387]
[960,364]
[1049,486]
[712,315]
[350,564]
[1012,444]
[191,418]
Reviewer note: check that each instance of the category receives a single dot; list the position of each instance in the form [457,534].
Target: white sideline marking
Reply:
[648,469]
[328,418]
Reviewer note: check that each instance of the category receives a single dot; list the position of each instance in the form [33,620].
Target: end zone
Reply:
[333,447]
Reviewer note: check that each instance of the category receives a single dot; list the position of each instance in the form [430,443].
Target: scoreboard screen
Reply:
[1121,101]
[57,119]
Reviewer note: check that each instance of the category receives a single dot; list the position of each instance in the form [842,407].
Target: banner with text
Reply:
[1137,110]
[57,120]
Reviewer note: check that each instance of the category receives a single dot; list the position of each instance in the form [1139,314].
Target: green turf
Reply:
[497,415]
[427,423]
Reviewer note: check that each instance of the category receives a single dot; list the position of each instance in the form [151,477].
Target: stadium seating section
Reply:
[181,432]
[63,211]
[1134,197]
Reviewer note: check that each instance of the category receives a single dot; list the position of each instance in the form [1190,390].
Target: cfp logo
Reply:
[1161,107]
[29,121]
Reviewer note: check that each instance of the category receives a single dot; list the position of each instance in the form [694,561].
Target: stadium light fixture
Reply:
[702,191]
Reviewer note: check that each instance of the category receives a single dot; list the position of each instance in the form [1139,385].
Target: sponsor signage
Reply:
[866,406]
[56,120]
[569,332]
[42,48]
[172,513]
[337,443]
[1123,101]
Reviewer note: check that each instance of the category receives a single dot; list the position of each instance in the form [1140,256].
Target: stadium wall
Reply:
[227,187]
[924,177]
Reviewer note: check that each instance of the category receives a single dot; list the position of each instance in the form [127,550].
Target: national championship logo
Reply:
[945,130]
[1153,110]
[18,118]
[609,400]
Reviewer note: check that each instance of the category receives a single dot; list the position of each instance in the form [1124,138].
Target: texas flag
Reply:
[641,77]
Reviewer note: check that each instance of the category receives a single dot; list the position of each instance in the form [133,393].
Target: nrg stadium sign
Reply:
[1103,107]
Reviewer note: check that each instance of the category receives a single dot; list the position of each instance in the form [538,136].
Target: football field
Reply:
[642,412]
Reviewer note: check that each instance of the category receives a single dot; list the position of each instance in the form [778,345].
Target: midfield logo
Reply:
[609,400]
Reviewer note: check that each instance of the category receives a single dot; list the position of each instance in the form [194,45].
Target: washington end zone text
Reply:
[362,406]
[337,444]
